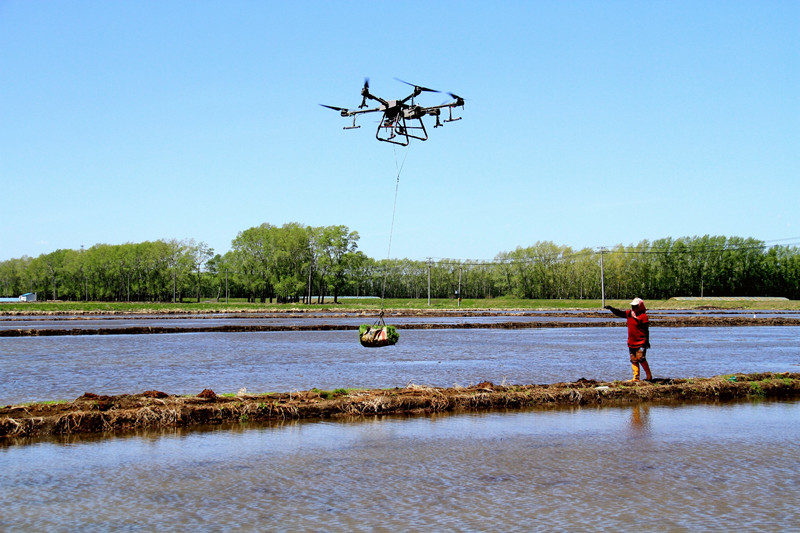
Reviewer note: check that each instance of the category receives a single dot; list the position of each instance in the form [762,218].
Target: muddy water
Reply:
[688,468]
[48,368]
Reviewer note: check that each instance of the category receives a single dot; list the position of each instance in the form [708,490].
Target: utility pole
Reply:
[85,285]
[459,285]
[429,282]
[602,277]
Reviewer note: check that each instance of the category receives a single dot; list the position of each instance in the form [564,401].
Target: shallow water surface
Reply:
[657,468]
[54,368]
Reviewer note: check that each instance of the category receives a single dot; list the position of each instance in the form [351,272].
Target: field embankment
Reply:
[372,305]
[92,413]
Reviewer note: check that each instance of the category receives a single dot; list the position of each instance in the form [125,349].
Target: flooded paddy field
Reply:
[699,467]
[60,368]
[702,467]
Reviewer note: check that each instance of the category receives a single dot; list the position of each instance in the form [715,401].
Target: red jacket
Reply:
[638,325]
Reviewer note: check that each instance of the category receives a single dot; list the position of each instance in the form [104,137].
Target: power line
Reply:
[682,249]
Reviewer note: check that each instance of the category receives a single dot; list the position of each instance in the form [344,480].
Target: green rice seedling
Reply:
[375,336]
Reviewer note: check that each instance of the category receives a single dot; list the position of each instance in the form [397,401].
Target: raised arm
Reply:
[617,312]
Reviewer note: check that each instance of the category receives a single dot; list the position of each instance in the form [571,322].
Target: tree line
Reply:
[298,263]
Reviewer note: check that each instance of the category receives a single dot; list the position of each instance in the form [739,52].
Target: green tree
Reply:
[337,246]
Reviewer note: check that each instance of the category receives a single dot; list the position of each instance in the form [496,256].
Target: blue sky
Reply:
[586,123]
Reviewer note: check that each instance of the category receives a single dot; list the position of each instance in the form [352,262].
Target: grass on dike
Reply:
[354,304]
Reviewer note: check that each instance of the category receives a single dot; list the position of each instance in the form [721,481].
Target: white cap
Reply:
[636,302]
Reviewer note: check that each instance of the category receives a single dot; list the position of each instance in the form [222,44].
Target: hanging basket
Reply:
[377,335]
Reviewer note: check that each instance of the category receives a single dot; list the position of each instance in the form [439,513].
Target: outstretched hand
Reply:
[607,307]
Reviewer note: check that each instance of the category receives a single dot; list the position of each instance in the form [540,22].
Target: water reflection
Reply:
[639,422]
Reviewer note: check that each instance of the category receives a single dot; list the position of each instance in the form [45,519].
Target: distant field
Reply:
[374,303]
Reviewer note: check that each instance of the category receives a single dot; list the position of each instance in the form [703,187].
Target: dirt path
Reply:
[92,413]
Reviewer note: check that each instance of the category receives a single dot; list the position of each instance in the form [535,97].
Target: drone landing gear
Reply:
[398,130]
[451,119]
[353,127]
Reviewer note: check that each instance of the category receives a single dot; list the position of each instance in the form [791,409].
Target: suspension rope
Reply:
[391,228]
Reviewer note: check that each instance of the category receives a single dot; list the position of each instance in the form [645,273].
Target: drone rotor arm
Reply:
[367,95]
[436,110]
[371,110]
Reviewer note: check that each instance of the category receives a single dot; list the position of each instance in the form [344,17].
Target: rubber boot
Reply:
[646,368]
[635,367]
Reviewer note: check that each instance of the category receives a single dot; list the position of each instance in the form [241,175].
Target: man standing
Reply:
[638,335]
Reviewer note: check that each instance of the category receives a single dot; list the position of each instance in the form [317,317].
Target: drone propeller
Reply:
[419,87]
[344,112]
[364,94]
[458,99]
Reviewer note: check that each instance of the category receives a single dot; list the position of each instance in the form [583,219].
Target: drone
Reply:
[402,119]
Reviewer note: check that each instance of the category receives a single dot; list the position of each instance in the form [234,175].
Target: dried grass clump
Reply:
[422,388]
[92,413]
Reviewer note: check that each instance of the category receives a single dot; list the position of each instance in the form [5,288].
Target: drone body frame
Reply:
[401,120]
